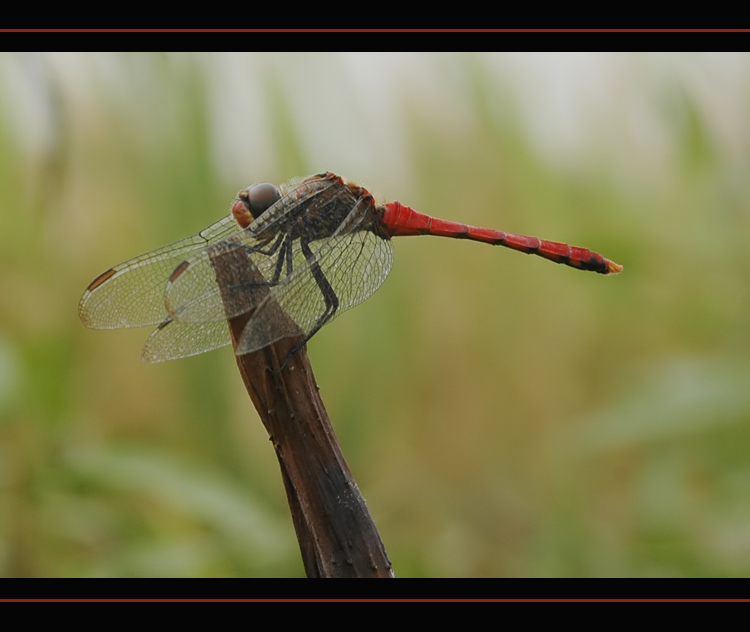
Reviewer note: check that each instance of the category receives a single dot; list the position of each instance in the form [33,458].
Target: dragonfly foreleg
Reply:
[281,239]
[259,247]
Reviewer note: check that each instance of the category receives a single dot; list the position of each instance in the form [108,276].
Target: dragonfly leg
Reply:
[285,248]
[329,296]
[259,248]
[284,255]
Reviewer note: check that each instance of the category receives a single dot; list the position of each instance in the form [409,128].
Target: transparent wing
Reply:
[354,263]
[172,340]
[192,294]
[132,293]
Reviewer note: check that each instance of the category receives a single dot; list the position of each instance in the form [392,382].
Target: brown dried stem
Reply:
[336,534]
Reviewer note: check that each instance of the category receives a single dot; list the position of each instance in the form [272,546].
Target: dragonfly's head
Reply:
[252,202]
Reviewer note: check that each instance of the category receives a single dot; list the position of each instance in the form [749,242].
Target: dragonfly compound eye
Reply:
[260,197]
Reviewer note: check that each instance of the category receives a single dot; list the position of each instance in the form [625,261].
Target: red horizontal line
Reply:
[235,30]
[384,600]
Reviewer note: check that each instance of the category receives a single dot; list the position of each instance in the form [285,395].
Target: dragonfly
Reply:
[319,246]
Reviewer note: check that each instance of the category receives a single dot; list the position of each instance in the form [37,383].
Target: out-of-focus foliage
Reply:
[503,416]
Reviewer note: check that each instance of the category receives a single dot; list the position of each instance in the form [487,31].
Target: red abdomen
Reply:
[400,220]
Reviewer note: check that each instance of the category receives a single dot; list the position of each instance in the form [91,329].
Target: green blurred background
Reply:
[503,416]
